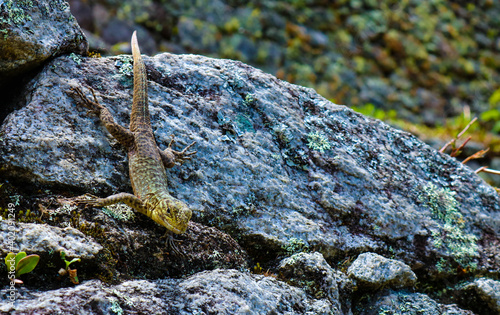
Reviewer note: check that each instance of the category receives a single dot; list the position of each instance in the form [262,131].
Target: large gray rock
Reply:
[372,271]
[33,31]
[43,238]
[113,245]
[213,292]
[277,164]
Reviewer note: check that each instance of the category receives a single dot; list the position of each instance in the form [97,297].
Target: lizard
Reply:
[147,163]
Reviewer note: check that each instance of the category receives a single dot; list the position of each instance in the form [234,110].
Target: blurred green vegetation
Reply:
[486,131]
[428,60]
[424,66]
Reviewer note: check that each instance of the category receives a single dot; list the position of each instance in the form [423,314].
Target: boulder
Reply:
[277,164]
[372,271]
[210,292]
[31,32]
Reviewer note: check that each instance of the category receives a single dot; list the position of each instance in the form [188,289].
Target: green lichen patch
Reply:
[318,142]
[12,13]
[125,66]
[294,246]
[119,211]
[77,59]
[451,236]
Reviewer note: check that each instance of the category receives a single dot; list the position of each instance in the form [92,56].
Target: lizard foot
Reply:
[93,106]
[184,155]
[171,243]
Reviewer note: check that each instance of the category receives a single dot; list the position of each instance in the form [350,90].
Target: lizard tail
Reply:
[139,118]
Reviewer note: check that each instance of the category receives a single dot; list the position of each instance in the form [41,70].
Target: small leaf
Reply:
[72,261]
[491,115]
[495,97]
[27,264]
[496,127]
[19,256]
[10,260]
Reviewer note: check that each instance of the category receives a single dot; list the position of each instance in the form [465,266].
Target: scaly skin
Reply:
[147,162]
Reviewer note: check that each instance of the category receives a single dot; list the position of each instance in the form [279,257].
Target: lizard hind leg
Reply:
[128,199]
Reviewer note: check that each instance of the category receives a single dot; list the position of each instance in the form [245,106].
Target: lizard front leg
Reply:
[169,156]
[123,135]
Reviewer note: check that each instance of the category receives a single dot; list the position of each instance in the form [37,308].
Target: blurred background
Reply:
[427,67]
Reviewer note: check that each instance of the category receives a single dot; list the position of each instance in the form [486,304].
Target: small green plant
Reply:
[19,264]
[68,271]
[257,269]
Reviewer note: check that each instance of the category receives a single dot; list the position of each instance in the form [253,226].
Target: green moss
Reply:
[93,230]
[451,236]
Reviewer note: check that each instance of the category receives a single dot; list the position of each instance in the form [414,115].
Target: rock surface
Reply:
[277,164]
[211,292]
[33,31]
[372,271]
[43,238]
[114,246]
[405,303]
[279,169]
[311,272]
[482,295]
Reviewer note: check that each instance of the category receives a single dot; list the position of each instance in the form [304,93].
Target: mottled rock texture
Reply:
[43,238]
[277,164]
[279,169]
[406,303]
[482,296]
[311,272]
[214,292]
[31,32]
[372,271]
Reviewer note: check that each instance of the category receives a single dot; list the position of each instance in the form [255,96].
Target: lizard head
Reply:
[172,214]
